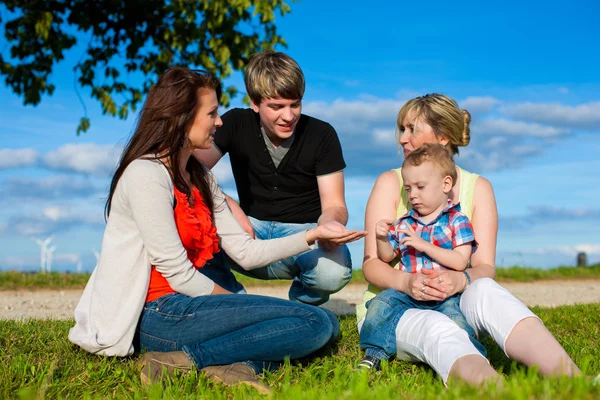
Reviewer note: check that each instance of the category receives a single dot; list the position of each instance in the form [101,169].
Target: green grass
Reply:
[37,361]
[55,280]
[520,274]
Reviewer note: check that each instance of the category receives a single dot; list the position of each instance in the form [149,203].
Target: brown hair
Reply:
[438,155]
[443,115]
[162,128]
[273,75]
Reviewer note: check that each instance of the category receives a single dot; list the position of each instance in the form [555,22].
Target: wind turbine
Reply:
[79,264]
[43,250]
[50,253]
[97,254]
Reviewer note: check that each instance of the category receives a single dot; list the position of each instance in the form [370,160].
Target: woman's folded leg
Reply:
[224,329]
[491,308]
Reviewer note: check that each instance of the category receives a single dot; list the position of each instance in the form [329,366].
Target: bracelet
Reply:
[468,280]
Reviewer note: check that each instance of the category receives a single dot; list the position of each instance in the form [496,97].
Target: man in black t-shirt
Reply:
[288,170]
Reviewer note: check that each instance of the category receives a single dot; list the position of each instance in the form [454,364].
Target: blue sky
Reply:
[527,72]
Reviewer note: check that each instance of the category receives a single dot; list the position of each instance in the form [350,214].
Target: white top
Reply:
[141,232]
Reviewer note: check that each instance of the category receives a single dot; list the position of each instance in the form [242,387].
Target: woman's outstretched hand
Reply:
[333,232]
[450,281]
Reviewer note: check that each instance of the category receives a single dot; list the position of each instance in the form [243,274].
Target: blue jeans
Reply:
[316,274]
[378,333]
[224,329]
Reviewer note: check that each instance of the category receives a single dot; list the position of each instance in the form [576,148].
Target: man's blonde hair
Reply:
[443,115]
[272,74]
[438,155]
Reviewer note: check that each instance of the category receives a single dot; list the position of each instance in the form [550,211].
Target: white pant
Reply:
[431,337]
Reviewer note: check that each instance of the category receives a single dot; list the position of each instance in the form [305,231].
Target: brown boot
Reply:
[234,374]
[156,365]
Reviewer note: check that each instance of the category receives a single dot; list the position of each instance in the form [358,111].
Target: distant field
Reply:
[55,280]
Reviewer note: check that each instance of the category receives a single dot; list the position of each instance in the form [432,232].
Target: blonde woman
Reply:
[429,336]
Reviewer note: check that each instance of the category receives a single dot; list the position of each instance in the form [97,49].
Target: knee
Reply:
[330,276]
[478,291]
[439,323]
[326,327]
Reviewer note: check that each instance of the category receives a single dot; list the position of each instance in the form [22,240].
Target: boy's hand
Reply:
[382,228]
[412,239]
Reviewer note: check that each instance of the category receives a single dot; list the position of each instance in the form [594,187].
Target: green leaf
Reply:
[122,43]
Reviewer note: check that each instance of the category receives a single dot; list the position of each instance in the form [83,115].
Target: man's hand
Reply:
[382,228]
[331,227]
[246,225]
[332,234]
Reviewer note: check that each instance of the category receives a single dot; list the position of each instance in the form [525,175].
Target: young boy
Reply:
[433,234]
[288,170]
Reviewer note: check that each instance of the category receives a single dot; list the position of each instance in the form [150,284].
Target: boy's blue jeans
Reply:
[223,329]
[316,274]
[378,333]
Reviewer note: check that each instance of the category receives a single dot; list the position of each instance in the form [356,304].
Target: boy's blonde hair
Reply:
[438,155]
[443,115]
[272,74]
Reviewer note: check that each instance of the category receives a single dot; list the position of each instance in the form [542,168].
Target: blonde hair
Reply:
[443,115]
[272,74]
[438,155]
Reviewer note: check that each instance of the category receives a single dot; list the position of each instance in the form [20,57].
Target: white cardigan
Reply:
[141,232]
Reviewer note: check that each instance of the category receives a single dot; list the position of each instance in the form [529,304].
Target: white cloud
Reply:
[508,127]
[525,150]
[355,117]
[93,159]
[586,248]
[53,219]
[547,213]
[53,213]
[584,116]
[384,136]
[52,187]
[481,104]
[17,158]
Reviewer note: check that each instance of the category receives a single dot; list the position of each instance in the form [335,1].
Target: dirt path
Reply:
[59,304]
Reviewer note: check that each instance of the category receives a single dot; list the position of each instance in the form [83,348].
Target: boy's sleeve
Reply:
[462,232]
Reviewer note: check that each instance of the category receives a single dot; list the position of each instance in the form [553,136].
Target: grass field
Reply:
[39,362]
[55,280]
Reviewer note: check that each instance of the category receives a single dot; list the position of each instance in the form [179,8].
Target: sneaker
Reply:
[157,365]
[369,362]
[234,374]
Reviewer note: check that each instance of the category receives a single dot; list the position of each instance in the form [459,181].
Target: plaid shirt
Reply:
[449,230]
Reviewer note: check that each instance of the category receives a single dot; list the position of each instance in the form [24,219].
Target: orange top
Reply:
[198,235]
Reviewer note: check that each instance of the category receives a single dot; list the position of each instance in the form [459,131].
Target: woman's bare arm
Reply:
[382,204]
[485,226]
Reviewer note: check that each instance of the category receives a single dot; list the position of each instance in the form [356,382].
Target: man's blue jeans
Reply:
[378,333]
[224,329]
[316,274]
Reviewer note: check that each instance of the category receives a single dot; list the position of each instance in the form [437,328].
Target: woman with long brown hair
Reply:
[157,278]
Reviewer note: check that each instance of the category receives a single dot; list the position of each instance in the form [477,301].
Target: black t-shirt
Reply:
[288,193]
